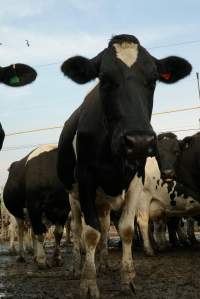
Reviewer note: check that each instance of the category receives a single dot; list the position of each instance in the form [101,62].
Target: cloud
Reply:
[86,5]
[23,8]
[46,47]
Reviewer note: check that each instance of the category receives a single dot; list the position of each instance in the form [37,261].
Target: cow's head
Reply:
[168,151]
[128,76]
[17,75]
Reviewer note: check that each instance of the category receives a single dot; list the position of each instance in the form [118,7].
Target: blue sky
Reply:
[58,29]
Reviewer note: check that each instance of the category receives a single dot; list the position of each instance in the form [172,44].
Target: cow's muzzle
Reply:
[168,175]
[139,146]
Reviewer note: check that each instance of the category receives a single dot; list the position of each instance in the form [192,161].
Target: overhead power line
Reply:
[25,146]
[176,110]
[150,48]
[33,131]
[60,127]
[175,44]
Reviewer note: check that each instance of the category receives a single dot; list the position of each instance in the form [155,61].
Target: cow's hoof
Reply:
[128,289]
[127,281]
[89,289]
[20,259]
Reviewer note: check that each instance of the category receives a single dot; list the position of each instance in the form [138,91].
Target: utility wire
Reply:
[150,48]
[176,110]
[175,44]
[33,131]
[60,127]
[24,146]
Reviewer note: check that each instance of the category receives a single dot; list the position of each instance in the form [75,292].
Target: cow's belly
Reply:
[185,207]
[102,199]
[112,202]
[157,210]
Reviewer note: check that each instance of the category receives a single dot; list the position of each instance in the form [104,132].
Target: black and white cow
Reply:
[164,193]
[113,138]
[15,75]
[186,168]
[33,184]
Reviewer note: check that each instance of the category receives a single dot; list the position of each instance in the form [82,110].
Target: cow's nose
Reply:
[168,175]
[140,145]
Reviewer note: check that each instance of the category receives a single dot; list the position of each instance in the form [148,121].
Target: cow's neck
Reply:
[187,175]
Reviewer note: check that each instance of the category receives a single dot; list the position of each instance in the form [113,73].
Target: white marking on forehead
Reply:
[127,52]
[40,150]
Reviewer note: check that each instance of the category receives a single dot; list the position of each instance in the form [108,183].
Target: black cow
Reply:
[33,185]
[15,75]
[113,138]
[183,156]
[181,161]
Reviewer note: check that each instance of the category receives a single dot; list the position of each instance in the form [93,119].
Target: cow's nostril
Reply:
[130,140]
[168,174]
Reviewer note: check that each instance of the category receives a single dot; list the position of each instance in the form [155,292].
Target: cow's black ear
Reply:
[79,69]
[17,75]
[82,70]
[186,143]
[172,69]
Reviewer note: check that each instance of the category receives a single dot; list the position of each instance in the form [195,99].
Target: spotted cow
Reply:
[164,195]
[34,192]
[113,137]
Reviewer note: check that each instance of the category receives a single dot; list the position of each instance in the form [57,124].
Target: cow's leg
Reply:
[88,285]
[68,228]
[126,229]
[172,224]
[91,232]
[160,234]
[34,246]
[76,227]
[143,222]
[12,232]
[58,232]
[41,256]
[39,229]
[104,219]
[20,224]
[182,235]
[190,231]
[28,240]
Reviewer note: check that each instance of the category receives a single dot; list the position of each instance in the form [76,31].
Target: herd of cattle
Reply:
[108,159]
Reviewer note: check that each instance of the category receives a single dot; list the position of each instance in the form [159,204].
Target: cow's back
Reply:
[40,169]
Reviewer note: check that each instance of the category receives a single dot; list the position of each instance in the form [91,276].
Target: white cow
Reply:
[160,200]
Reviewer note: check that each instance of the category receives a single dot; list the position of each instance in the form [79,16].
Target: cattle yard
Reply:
[113,210]
[168,275]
